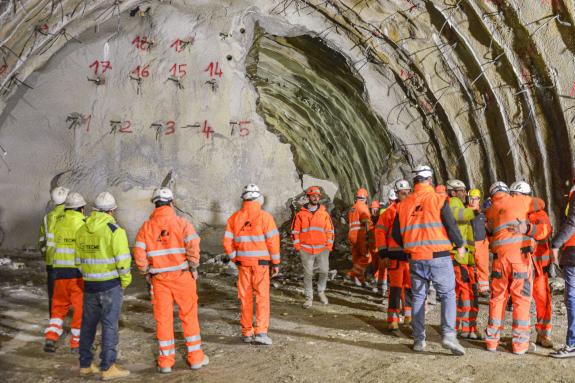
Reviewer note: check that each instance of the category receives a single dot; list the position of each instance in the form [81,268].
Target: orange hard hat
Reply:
[375,204]
[313,190]
[440,189]
[361,193]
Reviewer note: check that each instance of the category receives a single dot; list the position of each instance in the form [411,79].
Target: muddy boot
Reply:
[475,335]
[393,326]
[357,281]
[86,371]
[323,298]
[407,321]
[50,346]
[247,338]
[203,363]
[308,303]
[164,370]
[464,335]
[451,343]
[544,341]
[419,345]
[114,372]
[263,339]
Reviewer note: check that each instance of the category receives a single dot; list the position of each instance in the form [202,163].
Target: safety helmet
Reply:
[476,193]
[58,195]
[440,189]
[521,187]
[498,186]
[422,171]
[74,200]
[163,195]
[105,201]
[361,194]
[392,196]
[313,190]
[401,185]
[455,184]
[251,192]
[374,204]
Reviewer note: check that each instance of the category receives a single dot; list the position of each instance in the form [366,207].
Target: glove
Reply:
[194,272]
[460,255]
[275,270]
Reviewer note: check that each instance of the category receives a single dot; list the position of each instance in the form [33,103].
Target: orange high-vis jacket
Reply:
[383,234]
[166,243]
[358,217]
[312,232]
[420,223]
[252,237]
[540,231]
[504,211]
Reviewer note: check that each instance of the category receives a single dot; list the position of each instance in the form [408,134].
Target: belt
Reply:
[261,262]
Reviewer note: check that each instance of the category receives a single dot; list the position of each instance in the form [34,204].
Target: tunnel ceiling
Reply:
[359,89]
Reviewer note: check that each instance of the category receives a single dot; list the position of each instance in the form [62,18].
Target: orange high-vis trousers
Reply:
[466,297]
[254,280]
[361,258]
[399,290]
[68,293]
[482,263]
[178,287]
[542,297]
[512,275]
[379,269]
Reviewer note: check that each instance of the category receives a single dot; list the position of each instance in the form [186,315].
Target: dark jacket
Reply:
[566,231]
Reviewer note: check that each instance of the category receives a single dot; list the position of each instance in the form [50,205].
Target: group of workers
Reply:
[426,236]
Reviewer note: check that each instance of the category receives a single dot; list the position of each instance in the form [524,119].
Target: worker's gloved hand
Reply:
[275,270]
[460,255]
[194,272]
[555,256]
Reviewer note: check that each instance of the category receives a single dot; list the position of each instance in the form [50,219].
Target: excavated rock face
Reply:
[117,94]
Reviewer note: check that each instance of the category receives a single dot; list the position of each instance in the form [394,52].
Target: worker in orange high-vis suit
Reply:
[377,264]
[481,243]
[539,228]
[312,235]
[252,242]
[68,282]
[167,252]
[359,225]
[512,266]
[397,261]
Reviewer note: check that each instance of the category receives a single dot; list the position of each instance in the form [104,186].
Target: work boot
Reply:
[323,298]
[375,289]
[357,281]
[164,370]
[50,346]
[451,343]
[475,335]
[464,335]
[203,363]
[263,339]
[114,372]
[419,345]
[308,303]
[544,341]
[247,338]
[407,321]
[93,369]
[393,326]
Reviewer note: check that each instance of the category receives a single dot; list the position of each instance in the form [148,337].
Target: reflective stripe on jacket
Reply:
[166,243]
[65,239]
[46,242]
[421,227]
[102,251]
[312,232]
[464,216]
[252,236]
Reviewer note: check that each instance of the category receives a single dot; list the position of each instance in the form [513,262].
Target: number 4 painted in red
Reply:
[207,130]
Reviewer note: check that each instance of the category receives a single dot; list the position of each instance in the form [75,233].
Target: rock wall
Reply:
[118,95]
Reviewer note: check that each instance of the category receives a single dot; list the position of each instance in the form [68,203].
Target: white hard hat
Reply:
[105,202]
[422,171]
[59,194]
[251,192]
[498,187]
[402,185]
[392,196]
[162,194]
[74,200]
[521,187]
[455,184]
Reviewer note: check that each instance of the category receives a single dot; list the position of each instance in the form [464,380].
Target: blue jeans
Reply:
[103,307]
[569,275]
[440,272]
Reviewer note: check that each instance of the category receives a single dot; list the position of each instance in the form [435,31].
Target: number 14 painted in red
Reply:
[214,69]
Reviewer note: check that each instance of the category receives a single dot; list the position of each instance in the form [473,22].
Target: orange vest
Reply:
[312,232]
[420,223]
[252,237]
[357,217]
[540,231]
[506,210]
[166,243]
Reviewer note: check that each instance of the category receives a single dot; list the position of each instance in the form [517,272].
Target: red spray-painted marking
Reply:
[178,70]
[170,128]
[207,130]
[141,43]
[141,71]
[572,94]
[214,69]
[3,69]
[105,66]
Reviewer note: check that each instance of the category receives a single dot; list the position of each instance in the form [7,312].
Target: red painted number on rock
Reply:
[141,43]
[178,70]
[207,130]
[96,66]
[141,71]
[170,128]
[126,127]
[214,69]
[3,69]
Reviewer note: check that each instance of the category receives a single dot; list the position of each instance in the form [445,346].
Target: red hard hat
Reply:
[375,204]
[313,190]
[361,193]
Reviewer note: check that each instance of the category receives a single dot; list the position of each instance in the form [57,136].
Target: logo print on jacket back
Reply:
[163,237]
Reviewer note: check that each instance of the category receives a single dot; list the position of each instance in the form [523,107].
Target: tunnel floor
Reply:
[344,341]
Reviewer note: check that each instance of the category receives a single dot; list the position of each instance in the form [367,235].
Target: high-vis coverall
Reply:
[252,241]
[378,263]
[68,285]
[512,268]
[166,247]
[359,220]
[481,251]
